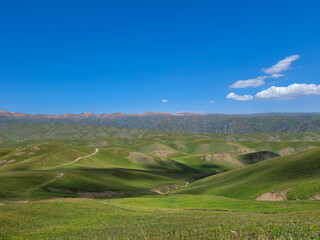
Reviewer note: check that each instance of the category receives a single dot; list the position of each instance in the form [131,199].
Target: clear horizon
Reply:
[225,57]
[174,113]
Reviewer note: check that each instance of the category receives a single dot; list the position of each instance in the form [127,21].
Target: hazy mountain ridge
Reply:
[180,122]
[22,131]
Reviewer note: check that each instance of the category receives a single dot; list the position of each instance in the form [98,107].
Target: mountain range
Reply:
[180,122]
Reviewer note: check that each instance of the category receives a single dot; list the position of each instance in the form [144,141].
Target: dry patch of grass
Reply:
[279,195]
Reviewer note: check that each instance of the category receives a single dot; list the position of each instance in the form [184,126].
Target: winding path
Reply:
[60,175]
[79,158]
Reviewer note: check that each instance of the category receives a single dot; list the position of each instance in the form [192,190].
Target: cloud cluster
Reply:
[164,100]
[274,71]
[280,93]
[275,93]
[239,97]
[281,65]
[290,92]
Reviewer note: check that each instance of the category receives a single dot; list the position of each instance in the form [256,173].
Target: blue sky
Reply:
[128,56]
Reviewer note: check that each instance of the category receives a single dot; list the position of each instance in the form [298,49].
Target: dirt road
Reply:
[60,175]
[79,158]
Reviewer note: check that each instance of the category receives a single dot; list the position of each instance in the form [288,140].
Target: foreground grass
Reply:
[112,219]
[212,203]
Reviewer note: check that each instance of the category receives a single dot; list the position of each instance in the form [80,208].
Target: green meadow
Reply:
[153,185]
[159,217]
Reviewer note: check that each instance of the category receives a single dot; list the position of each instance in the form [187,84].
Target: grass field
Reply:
[160,187]
[161,217]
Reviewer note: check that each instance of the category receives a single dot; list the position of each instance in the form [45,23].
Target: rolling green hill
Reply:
[53,168]
[296,176]
[168,162]
[40,156]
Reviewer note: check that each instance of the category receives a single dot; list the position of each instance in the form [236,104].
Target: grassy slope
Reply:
[40,157]
[110,169]
[16,185]
[129,181]
[299,172]
[113,219]
[211,202]
[22,185]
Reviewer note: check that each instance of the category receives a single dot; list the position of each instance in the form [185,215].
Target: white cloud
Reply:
[281,65]
[290,92]
[276,75]
[164,100]
[239,97]
[254,82]
[211,101]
